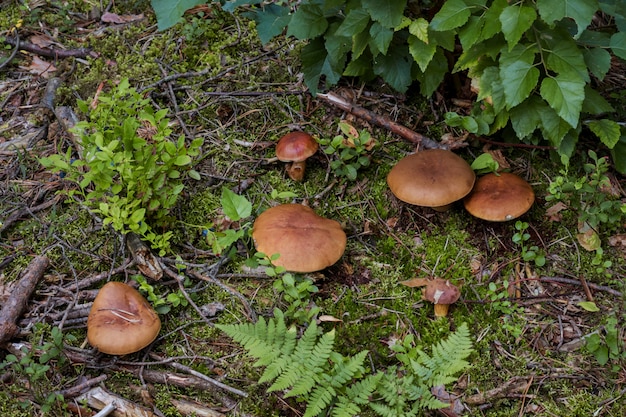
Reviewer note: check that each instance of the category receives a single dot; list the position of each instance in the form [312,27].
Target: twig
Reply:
[229,290]
[54,53]
[591,285]
[77,389]
[14,217]
[13,53]
[381,121]
[197,374]
[17,302]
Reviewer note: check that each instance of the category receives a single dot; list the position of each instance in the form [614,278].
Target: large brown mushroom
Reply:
[440,292]
[431,178]
[295,148]
[121,320]
[305,241]
[499,197]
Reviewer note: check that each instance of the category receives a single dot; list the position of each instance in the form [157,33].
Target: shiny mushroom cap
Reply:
[499,197]
[296,147]
[121,320]
[305,241]
[431,178]
[441,293]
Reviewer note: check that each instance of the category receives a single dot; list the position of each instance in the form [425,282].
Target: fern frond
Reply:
[319,399]
[361,391]
[345,369]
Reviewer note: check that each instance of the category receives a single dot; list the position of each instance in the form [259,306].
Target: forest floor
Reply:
[549,337]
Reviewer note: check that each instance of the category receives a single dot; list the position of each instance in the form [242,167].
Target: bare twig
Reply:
[54,53]
[380,120]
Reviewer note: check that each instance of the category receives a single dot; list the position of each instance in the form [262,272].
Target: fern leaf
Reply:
[347,368]
[448,357]
[319,399]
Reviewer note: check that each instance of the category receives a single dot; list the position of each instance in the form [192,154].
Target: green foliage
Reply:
[131,172]
[162,304]
[235,207]
[350,149]
[169,12]
[37,365]
[605,345]
[529,253]
[484,164]
[532,63]
[333,384]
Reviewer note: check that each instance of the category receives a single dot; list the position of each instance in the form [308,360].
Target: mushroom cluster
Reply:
[431,178]
[121,320]
[295,148]
[305,241]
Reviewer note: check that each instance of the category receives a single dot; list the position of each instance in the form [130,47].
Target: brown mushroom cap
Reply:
[499,197]
[305,241]
[441,293]
[296,147]
[121,320]
[431,178]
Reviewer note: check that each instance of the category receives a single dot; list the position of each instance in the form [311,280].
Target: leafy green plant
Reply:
[529,253]
[131,172]
[236,208]
[162,304]
[294,289]
[484,164]
[606,345]
[531,63]
[36,364]
[333,384]
[351,149]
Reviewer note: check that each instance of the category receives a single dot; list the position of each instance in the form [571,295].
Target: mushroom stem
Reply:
[442,209]
[441,310]
[296,170]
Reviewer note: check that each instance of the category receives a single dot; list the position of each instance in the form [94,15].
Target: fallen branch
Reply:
[99,399]
[54,53]
[17,302]
[381,121]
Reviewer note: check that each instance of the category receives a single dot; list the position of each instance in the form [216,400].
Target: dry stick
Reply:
[15,216]
[77,389]
[18,299]
[188,370]
[591,285]
[381,121]
[54,53]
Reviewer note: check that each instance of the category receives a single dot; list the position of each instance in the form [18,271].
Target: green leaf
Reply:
[316,62]
[421,52]
[594,102]
[589,306]
[618,44]
[565,94]
[270,22]
[519,80]
[168,12]
[618,153]
[395,68]
[138,215]
[515,21]
[380,39]
[355,22]
[307,22]
[552,126]
[581,11]
[485,163]
[182,160]
[607,130]
[598,61]
[419,28]
[526,117]
[453,14]
[388,13]
[235,206]
[193,174]
[564,57]
[434,74]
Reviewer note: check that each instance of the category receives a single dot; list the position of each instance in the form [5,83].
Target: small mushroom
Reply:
[499,197]
[440,292]
[305,241]
[295,148]
[121,320]
[431,178]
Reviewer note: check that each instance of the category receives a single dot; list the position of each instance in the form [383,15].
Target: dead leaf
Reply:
[553,213]
[588,238]
[40,67]
[327,318]
[42,41]
[497,156]
[415,282]
[109,17]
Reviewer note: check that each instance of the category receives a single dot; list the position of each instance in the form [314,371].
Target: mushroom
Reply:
[431,178]
[499,197]
[121,321]
[440,292]
[295,148]
[305,241]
